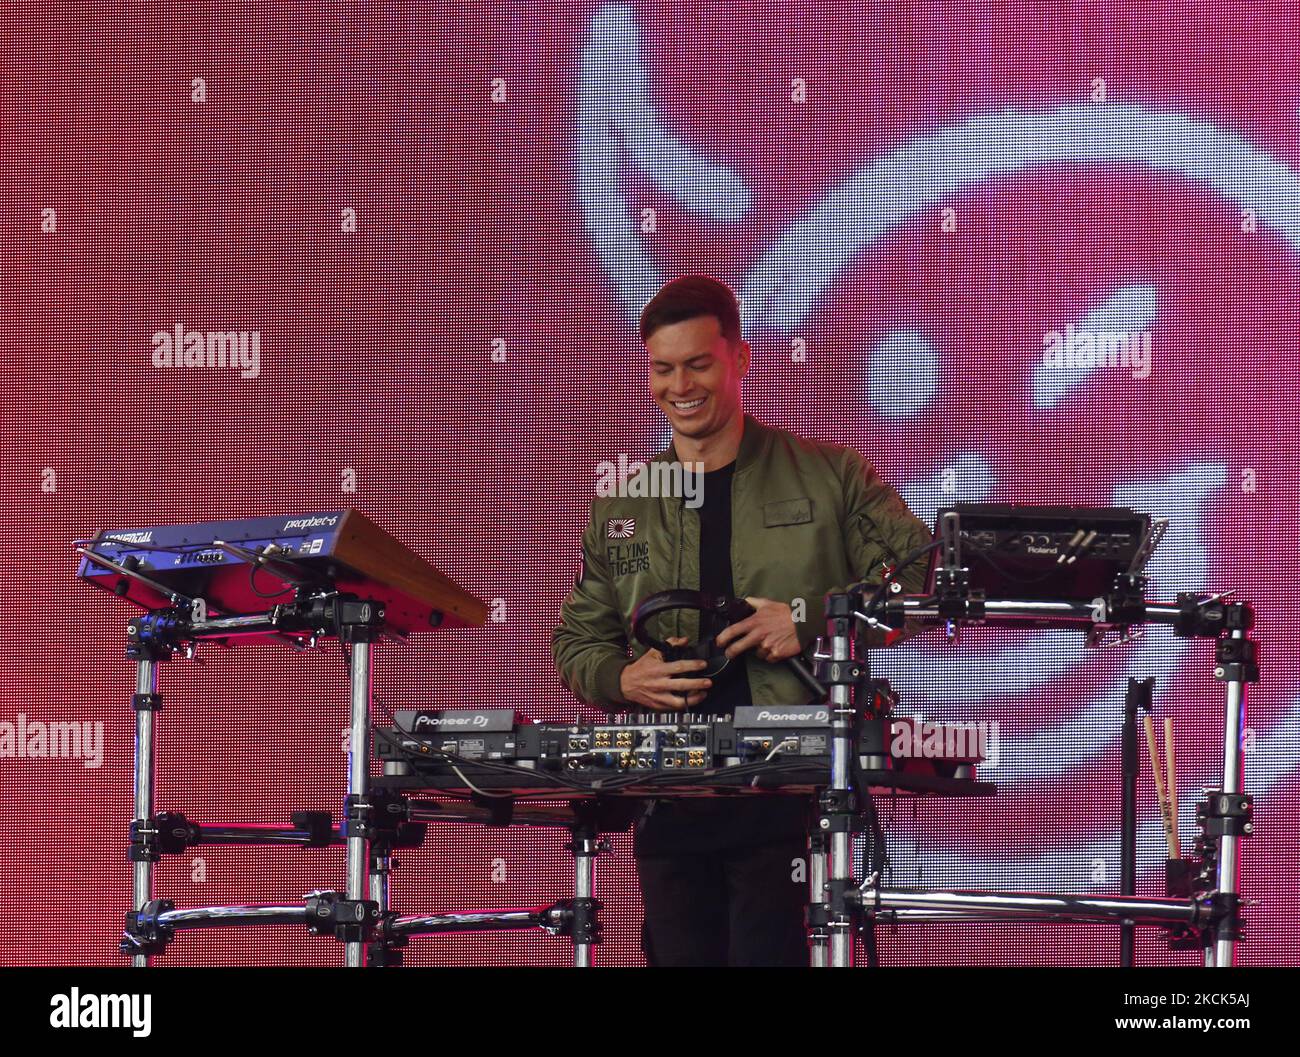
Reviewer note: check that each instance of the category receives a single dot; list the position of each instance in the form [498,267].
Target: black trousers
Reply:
[736,906]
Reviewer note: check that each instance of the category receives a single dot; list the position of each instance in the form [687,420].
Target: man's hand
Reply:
[770,632]
[656,684]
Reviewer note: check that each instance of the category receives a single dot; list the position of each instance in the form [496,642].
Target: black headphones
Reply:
[716,612]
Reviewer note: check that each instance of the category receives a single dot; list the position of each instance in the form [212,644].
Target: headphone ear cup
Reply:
[692,651]
[717,664]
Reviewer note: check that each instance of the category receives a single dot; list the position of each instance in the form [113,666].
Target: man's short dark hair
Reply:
[688,297]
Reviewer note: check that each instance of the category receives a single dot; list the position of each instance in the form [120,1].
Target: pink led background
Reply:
[1164,201]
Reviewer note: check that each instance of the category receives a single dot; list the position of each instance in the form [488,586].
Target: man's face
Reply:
[695,375]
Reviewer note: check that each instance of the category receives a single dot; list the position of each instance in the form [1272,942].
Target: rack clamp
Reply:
[592,846]
[1234,660]
[347,920]
[166,833]
[380,816]
[354,619]
[838,811]
[145,933]
[1123,608]
[955,599]
[1127,604]
[841,673]
[1219,814]
[577,919]
[1225,913]
[384,951]
[843,899]
[361,622]
[318,825]
[1208,616]
[154,636]
[840,609]
[1188,937]
[1220,919]
[1226,814]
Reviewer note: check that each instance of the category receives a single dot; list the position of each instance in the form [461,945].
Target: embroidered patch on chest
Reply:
[787,512]
[620,528]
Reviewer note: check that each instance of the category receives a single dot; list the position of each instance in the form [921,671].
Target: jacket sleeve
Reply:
[590,646]
[879,529]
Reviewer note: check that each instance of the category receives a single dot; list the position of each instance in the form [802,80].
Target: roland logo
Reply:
[817,715]
[310,522]
[1042,550]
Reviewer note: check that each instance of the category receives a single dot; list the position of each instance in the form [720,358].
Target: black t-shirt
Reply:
[731,685]
[694,825]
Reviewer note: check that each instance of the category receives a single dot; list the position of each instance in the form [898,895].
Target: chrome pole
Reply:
[358,781]
[817,934]
[146,682]
[1228,877]
[840,923]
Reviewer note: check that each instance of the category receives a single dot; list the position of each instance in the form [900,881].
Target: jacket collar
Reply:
[754,442]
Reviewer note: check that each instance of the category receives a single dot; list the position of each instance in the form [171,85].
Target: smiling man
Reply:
[783,521]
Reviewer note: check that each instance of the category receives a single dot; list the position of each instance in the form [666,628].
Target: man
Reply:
[782,522]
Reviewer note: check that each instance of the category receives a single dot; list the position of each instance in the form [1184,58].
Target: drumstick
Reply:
[1171,784]
[1150,727]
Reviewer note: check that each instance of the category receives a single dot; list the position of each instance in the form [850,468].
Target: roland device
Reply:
[1048,552]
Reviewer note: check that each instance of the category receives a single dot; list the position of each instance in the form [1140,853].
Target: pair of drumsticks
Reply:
[1166,790]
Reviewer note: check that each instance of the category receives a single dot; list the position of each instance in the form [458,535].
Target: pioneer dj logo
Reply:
[816,716]
[427,722]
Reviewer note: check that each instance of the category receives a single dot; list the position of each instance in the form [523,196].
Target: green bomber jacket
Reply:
[807,518]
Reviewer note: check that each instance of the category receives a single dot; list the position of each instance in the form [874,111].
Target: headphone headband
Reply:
[716,612]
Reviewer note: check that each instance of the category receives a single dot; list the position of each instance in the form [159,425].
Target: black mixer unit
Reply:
[672,742]
[438,741]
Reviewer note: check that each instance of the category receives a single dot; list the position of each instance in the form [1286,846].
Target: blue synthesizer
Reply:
[248,565]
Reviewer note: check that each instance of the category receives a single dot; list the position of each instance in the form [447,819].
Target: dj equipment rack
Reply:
[351,581]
